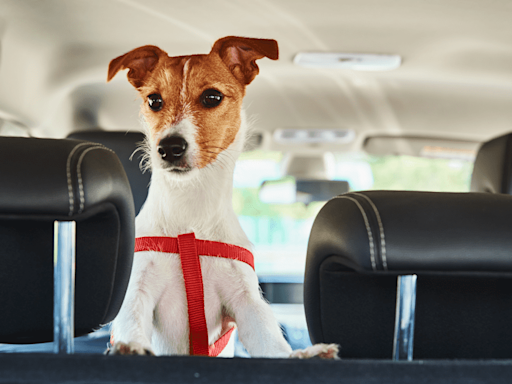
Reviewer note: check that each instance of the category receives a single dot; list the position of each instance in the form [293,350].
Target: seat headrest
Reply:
[492,171]
[414,231]
[124,144]
[44,180]
[58,177]
[458,244]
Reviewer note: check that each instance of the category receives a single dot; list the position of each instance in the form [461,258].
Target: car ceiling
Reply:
[455,80]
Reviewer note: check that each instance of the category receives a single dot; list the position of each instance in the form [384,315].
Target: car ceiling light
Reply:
[354,61]
[313,136]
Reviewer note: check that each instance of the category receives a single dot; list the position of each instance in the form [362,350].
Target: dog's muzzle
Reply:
[172,149]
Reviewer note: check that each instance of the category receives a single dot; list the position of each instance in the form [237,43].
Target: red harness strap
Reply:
[189,249]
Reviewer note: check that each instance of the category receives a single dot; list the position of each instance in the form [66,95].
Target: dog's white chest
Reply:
[170,316]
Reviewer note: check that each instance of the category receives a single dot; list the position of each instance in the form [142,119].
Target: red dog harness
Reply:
[189,249]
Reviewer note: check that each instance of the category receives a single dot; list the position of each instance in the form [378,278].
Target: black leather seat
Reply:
[124,144]
[492,171]
[458,244]
[45,180]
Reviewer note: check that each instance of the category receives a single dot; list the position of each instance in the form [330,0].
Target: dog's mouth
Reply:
[179,170]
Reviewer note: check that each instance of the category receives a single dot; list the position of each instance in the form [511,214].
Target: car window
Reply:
[280,232]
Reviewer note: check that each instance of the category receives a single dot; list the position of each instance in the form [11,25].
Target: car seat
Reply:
[124,144]
[44,181]
[492,171]
[457,244]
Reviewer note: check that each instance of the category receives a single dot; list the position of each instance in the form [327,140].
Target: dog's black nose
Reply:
[172,148]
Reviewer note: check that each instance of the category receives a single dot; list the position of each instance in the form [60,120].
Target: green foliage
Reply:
[420,174]
[389,173]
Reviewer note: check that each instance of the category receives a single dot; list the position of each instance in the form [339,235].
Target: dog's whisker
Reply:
[145,158]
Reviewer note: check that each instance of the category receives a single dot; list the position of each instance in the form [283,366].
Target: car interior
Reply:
[375,186]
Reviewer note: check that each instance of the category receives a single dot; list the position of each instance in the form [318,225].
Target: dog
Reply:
[195,129]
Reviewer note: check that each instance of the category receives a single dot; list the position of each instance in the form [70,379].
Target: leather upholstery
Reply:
[471,231]
[43,180]
[492,171]
[124,144]
[459,245]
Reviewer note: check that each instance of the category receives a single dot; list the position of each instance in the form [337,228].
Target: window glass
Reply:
[280,232]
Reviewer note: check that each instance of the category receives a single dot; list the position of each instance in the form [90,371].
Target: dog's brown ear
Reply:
[140,61]
[240,55]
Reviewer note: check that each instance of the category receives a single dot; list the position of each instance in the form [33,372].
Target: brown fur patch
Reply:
[228,68]
[181,91]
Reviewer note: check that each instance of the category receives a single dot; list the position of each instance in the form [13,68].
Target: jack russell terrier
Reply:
[193,276]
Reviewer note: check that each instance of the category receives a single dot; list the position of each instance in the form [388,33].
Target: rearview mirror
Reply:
[289,191]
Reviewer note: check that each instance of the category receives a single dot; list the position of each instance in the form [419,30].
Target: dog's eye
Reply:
[211,98]
[155,102]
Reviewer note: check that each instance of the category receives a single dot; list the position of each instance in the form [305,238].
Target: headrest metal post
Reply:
[403,341]
[64,287]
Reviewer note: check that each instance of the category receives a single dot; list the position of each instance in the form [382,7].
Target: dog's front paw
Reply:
[132,348]
[322,351]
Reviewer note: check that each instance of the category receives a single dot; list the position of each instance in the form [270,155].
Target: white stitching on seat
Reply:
[381,229]
[79,172]
[368,229]
[68,173]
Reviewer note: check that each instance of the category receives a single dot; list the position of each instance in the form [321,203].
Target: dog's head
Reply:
[192,104]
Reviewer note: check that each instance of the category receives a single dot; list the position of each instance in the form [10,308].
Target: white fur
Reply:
[154,315]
